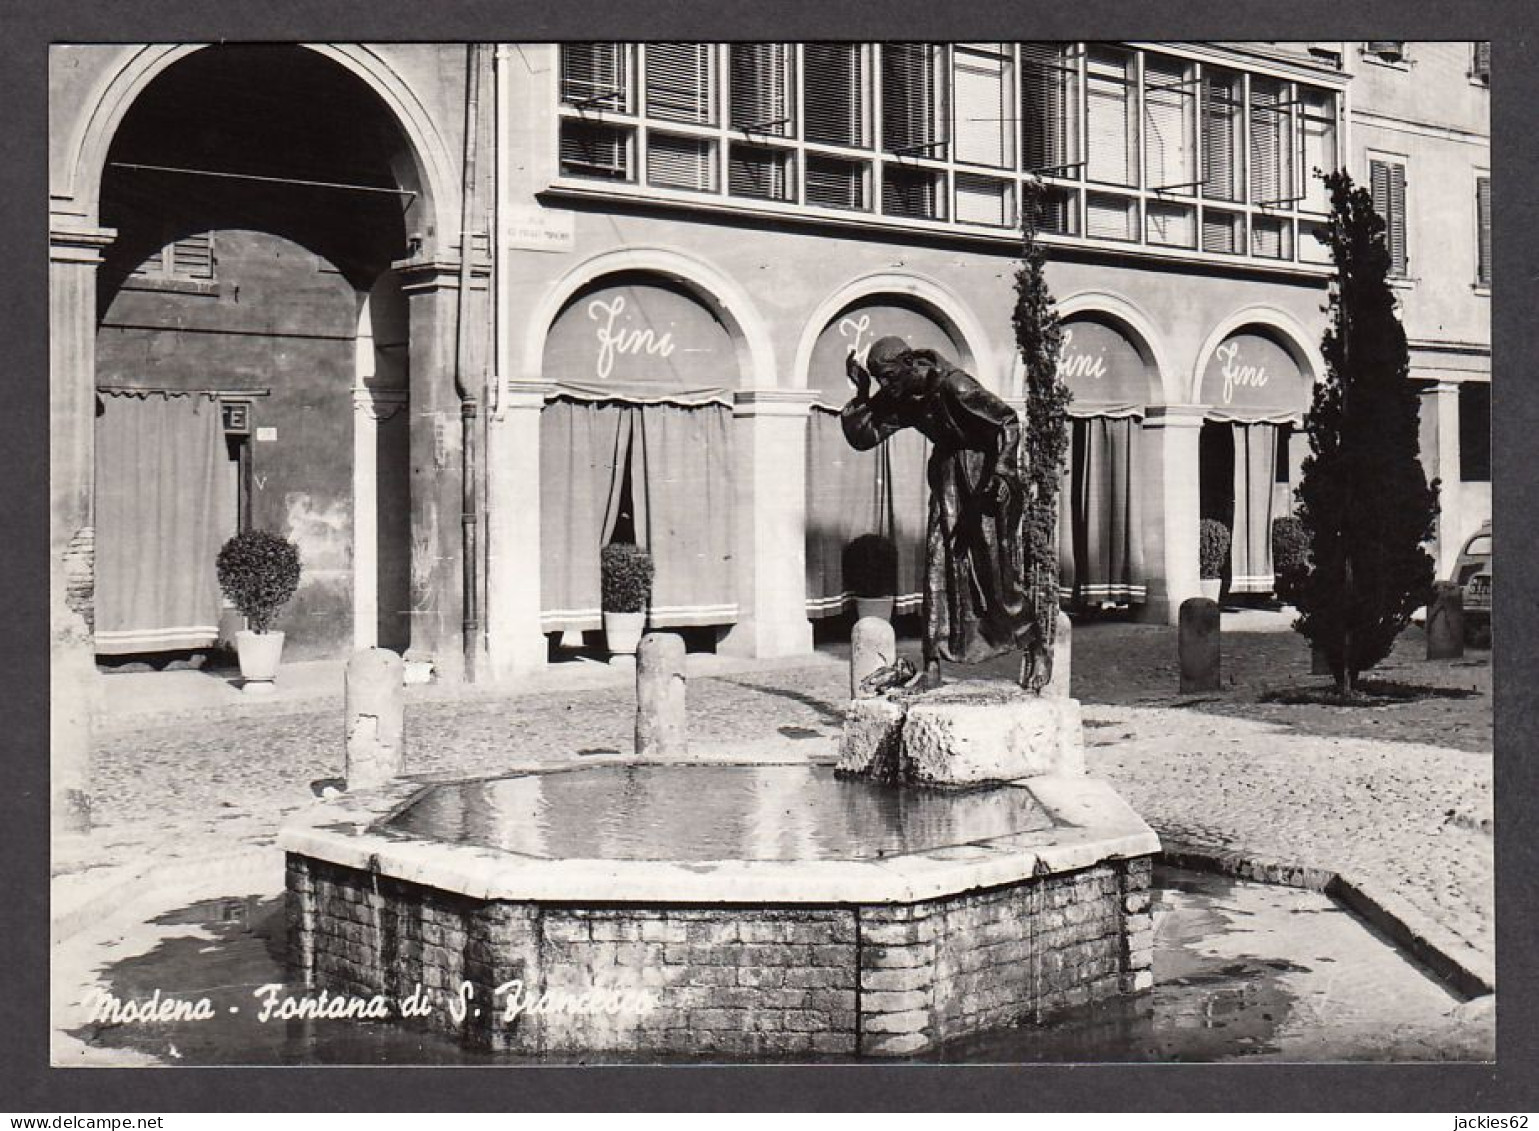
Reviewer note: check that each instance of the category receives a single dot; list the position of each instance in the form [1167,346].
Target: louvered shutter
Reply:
[1169,144]
[594,74]
[1220,147]
[983,200]
[758,171]
[760,91]
[1387,186]
[834,92]
[981,109]
[1220,231]
[192,257]
[909,99]
[679,82]
[1270,164]
[680,162]
[1483,219]
[1049,107]
[912,193]
[835,183]
[1483,61]
[1112,144]
[589,149]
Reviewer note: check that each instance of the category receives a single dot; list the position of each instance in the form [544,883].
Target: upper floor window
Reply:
[1162,147]
[1483,231]
[1389,50]
[1480,65]
[1387,187]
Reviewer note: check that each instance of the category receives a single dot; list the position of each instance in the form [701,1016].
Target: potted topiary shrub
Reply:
[1290,557]
[626,577]
[871,574]
[1212,556]
[258,571]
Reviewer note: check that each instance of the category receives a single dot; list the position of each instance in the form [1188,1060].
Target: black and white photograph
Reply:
[832,552]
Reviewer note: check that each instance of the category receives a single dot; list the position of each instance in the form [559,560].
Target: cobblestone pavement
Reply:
[1397,797]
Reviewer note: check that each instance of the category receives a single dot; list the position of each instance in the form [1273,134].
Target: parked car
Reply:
[1472,573]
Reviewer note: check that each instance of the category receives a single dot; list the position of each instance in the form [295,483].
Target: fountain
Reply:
[957,872]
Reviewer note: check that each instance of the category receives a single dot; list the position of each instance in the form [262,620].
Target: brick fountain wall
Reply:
[781,981]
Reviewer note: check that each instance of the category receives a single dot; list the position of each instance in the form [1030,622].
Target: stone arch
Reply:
[719,293]
[944,304]
[1132,322]
[1287,331]
[87,154]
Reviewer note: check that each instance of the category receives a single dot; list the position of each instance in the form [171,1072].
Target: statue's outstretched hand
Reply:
[857,374]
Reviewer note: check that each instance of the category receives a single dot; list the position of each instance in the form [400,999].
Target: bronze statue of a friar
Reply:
[976,599]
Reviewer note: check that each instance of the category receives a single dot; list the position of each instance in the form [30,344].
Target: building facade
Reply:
[452,317]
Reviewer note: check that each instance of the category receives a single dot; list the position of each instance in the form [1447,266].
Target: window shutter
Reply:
[910,100]
[1220,140]
[835,183]
[1049,107]
[1319,127]
[759,171]
[983,200]
[1387,187]
[679,82]
[680,162]
[192,257]
[761,101]
[834,91]
[1483,217]
[1221,231]
[912,193]
[1270,152]
[1113,142]
[594,74]
[589,149]
[1482,66]
[981,102]
[1169,128]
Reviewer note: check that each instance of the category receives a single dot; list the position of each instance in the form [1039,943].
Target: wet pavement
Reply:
[1242,971]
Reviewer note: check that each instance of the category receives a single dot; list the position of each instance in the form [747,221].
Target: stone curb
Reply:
[1461,966]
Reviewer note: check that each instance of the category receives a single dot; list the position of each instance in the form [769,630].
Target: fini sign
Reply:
[1101,366]
[1251,377]
[639,334]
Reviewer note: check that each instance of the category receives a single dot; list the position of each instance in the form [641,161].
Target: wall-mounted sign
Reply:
[860,325]
[1101,366]
[1250,376]
[640,333]
[532,228]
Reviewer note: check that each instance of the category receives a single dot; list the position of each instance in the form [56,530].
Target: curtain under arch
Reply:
[1101,550]
[158,458]
[681,470]
[1250,547]
[849,493]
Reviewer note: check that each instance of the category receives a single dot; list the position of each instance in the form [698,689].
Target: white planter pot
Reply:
[1211,587]
[260,653]
[622,632]
[880,607]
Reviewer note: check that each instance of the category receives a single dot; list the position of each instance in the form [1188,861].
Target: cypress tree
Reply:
[1364,499]
[1039,338]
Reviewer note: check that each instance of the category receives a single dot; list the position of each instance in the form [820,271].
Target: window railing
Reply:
[1153,147]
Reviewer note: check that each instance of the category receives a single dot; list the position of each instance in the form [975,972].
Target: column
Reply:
[514,642]
[371,407]
[74,255]
[437,590]
[1440,460]
[770,449]
[1172,477]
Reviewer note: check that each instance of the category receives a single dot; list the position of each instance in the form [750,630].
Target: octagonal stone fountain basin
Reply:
[722,910]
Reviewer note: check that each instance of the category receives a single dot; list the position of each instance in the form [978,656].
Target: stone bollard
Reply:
[661,726]
[1199,645]
[873,645]
[1445,622]
[1062,657]
[376,716]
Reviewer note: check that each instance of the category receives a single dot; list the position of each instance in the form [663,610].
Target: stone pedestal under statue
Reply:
[962,735]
